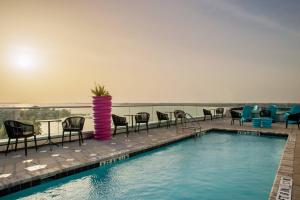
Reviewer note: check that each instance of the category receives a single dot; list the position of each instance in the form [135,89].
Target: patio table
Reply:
[131,116]
[49,131]
[171,115]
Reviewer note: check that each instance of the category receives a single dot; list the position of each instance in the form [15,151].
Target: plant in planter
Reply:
[102,113]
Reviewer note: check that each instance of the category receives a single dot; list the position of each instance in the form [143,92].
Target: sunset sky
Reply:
[53,51]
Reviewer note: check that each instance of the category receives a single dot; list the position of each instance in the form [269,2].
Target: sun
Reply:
[24,58]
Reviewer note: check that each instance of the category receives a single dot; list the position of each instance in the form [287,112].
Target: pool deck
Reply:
[18,172]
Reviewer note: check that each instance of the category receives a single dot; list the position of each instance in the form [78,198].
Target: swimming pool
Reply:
[214,166]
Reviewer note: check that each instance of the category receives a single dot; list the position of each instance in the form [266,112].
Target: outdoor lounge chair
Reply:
[294,118]
[119,121]
[247,113]
[142,117]
[179,114]
[73,124]
[17,130]
[295,109]
[273,109]
[162,117]
[220,112]
[207,113]
[235,116]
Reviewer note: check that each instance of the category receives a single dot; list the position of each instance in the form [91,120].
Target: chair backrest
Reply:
[162,116]
[142,117]
[206,112]
[265,113]
[235,115]
[273,109]
[179,114]
[219,111]
[118,121]
[73,123]
[295,109]
[14,128]
[294,117]
[247,112]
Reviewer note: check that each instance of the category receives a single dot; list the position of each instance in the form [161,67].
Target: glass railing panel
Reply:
[177,108]
[192,110]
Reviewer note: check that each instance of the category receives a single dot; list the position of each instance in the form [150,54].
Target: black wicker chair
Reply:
[220,112]
[17,130]
[207,113]
[119,121]
[162,117]
[293,117]
[235,116]
[73,124]
[179,114]
[142,117]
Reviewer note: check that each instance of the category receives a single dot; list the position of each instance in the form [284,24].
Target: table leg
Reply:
[131,121]
[170,118]
[49,137]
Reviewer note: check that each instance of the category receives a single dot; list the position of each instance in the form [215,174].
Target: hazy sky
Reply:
[53,51]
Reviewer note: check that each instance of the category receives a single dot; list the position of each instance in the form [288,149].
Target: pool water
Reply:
[215,166]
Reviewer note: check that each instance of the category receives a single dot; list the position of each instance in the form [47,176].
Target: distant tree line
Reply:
[30,116]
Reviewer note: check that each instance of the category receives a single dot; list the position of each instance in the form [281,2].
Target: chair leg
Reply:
[63,138]
[25,141]
[70,136]
[147,127]
[35,143]
[115,130]
[139,127]
[81,136]
[79,139]
[16,144]
[286,124]
[204,117]
[127,130]
[8,143]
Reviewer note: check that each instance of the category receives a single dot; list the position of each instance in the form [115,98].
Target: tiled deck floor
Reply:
[14,168]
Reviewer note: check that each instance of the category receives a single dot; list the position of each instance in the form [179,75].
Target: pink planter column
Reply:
[102,117]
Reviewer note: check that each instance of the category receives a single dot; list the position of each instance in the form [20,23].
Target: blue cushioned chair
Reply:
[273,109]
[295,109]
[246,113]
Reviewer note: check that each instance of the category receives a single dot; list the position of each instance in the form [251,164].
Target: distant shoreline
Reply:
[87,105]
